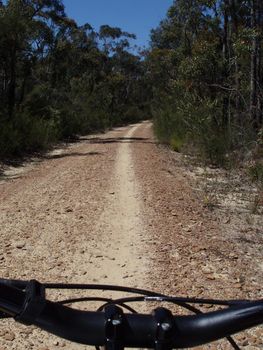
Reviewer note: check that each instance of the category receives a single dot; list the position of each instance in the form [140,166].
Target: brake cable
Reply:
[147,296]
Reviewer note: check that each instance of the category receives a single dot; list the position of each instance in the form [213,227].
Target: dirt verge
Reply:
[118,208]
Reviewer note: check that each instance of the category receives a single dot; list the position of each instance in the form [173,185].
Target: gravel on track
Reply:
[119,208]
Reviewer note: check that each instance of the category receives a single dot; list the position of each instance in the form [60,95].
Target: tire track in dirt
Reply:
[117,208]
[122,224]
[73,217]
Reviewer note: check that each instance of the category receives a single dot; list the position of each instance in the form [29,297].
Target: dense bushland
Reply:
[201,78]
[58,80]
[205,63]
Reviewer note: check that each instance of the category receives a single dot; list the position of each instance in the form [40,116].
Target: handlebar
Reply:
[112,326]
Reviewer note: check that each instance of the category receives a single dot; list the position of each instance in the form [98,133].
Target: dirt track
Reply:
[115,208]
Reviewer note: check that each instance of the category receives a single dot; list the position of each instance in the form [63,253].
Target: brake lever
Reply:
[4,315]
[14,283]
[34,303]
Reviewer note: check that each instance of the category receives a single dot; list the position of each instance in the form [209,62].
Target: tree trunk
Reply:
[226,54]
[225,32]
[12,83]
[237,65]
[254,66]
[259,68]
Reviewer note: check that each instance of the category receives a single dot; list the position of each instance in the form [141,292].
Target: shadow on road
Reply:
[21,163]
[73,154]
[99,140]
[16,168]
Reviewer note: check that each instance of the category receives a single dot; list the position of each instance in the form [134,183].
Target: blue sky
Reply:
[134,16]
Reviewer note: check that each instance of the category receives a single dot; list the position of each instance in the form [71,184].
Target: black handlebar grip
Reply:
[205,328]
[20,284]
[138,330]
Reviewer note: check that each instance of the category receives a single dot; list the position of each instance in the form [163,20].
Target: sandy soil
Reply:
[118,209]
[198,252]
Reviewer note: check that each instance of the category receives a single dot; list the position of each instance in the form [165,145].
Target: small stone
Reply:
[245,342]
[20,245]
[27,331]
[206,270]
[10,336]
[233,256]
[210,277]
[258,334]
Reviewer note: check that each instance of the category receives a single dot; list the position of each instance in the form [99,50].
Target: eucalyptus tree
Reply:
[206,62]
[58,79]
[24,31]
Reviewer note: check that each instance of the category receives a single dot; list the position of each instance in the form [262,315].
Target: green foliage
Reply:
[24,134]
[9,139]
[256,172]
[193,122]
[177,143]
[205,66]
[58,80]
[36,135]
[161,125]
[133,114]
[260,141]
[215,146]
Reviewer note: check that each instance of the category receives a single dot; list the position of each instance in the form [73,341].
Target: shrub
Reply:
[176,144]
[214,146]
[9,140]
[256,172]
[196,122]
